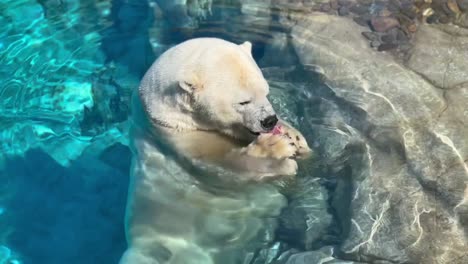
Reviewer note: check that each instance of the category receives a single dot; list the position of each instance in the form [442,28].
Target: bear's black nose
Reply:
[269,123]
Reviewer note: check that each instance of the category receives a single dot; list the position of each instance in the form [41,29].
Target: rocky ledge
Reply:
[400,134]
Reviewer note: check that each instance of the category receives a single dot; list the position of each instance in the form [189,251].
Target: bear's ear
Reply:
[247,46]
[191,82]
[188,87]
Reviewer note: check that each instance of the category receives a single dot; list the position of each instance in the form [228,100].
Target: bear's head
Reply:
[228,92]
[208,84]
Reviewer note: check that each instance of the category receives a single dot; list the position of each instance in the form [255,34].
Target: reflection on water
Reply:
[388,129]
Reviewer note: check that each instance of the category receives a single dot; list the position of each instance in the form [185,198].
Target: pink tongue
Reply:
[277,130]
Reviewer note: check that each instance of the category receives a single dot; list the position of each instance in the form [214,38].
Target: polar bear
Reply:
[202,131]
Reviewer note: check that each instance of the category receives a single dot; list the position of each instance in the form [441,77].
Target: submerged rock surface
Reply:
[403,141]
[441,57]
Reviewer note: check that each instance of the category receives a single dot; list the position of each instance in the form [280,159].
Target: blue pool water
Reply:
[63,169]
[67,70]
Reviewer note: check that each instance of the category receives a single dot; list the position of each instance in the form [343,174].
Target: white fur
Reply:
[190,100]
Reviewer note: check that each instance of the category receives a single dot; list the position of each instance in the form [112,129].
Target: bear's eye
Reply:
[245,102]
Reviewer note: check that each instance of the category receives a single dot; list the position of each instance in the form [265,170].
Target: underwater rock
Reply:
[463,5]
[255,8]
[372,36]
[382,24]
[199,9]
[453,7]
[334,4]
[78,209]
[305,221]
[177,15]
[401,36]
[117,156]
[375,44]
[407,183]
[395,36]
[343,11]
[359,9]
[345,2]
[440,57]
[325,7]
[324,255]
[126,41]
[390,37]
[279,44]
[453,121]
[387,46]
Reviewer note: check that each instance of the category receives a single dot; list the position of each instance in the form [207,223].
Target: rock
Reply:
[88,196]
[178,15]
[304,223]
[325,7]
[428,12]
[401,36]
[453,116]
[433,19]
[453,31]
[324,255]
[382,24]
[404,192]
[367,3]
[255,8]
[463,5]
[444,20]
[370,35]
[268,255]
[384,12]
[361,21]
[453,7]
[126,40]
[345,2]
[412,28]
[117,156]
[279,44]
[387,46]
[359,9]
[375,43]
[462,21]
[393,7]
[409,13]
[393,36]
[407,24]
[343,11]
[432,44]
[389,37]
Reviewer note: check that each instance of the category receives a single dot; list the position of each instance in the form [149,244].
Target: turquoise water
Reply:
[387,180]
[67,69]
[63,157]
[378,88]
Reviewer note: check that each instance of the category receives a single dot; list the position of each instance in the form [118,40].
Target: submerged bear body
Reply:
[204,157]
